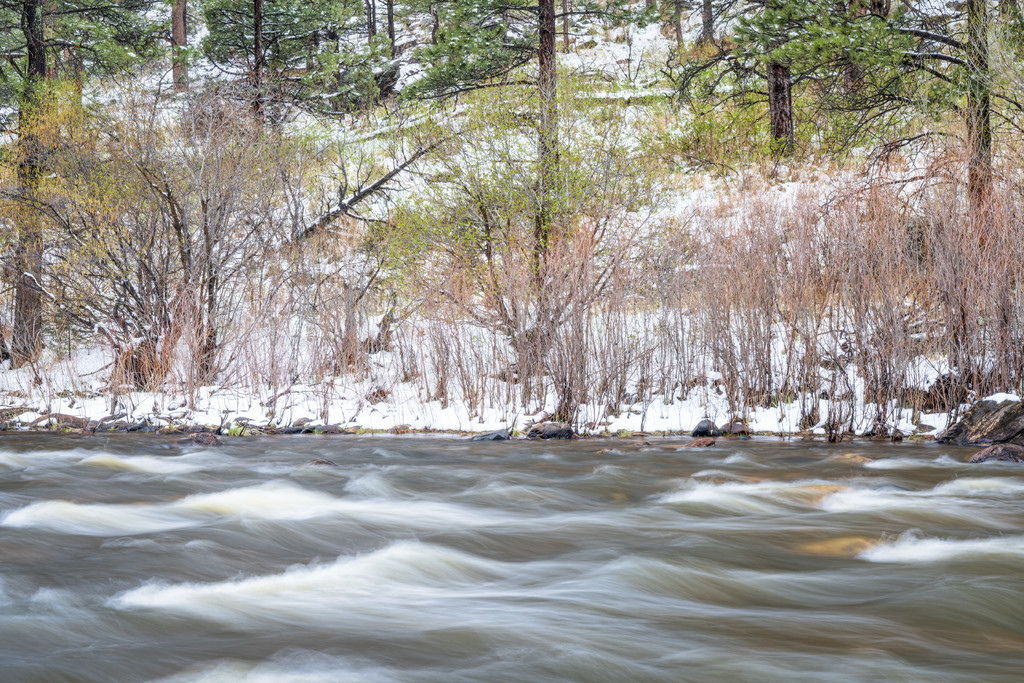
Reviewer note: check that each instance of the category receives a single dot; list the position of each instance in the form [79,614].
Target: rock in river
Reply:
[706,442]
[737,429]
[988,422]
[550,430]
[500,435]
[1004,452]
[205,440]
[706,428]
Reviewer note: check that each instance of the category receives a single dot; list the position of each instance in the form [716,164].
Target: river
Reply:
[129,558]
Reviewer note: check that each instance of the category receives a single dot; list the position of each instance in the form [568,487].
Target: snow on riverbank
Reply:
[78,387]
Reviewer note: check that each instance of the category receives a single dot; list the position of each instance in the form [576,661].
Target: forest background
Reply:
[466,214]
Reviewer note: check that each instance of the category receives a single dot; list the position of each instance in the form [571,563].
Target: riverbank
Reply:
[230,413]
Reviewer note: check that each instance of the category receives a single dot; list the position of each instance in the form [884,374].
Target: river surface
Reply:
[435,559]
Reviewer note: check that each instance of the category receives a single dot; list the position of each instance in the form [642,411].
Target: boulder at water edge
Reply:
[988,422]
[706,428]
[500,435]
[550,430]
[1004,452]
[205,440]
[736,429]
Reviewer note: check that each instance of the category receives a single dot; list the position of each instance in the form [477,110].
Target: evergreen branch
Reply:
[929,35]
[938,56]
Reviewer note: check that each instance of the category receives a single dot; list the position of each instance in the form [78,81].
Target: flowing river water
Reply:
[436,559]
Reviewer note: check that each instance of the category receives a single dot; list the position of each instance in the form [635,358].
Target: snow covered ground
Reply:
[381,401]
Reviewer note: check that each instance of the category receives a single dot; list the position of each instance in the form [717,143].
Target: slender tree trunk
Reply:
[707,30]
[780,109]
[434,24]
[852,74]
[565,26]
[258,57]
[179,42]
[677,20]
[391,28]
[26,338]
[548,129]
[979,110]
[208,342]
[77,68]
[371,19]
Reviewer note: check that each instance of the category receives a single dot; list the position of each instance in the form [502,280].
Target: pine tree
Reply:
[864,57]
[322,55]
[43,43]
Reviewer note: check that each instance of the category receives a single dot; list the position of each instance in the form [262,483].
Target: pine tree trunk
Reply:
[179,41]
[780,109]
[257,66]
[707,31]
[391,28]
[548,128]
[979,110]
[74,60]
[852,75]
[565,26]
[434,24]
[677,20]
[371,19]
[26,338]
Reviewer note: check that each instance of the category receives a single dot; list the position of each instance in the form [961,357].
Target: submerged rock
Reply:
[699,443]
[324,462]
[1004,452]
[706,428]
[205,440]
[853,458]
[500,435]
[845,546]
[550,430]
[988,422]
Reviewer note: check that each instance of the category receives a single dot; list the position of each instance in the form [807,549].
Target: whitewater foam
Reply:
[322,593]
[911,548]
[145,463]
[273,501]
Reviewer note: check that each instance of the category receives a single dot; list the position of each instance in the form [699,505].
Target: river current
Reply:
[436,559]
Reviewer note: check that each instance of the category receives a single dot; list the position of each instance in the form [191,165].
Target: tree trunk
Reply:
[391,28]
[371,19]
[257,65]
[565,26]
[547,87]
[707,30]
[179,42]
[74,62]
[979,110]
[780,109]
[26,338]
[677,20]
[434,21]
